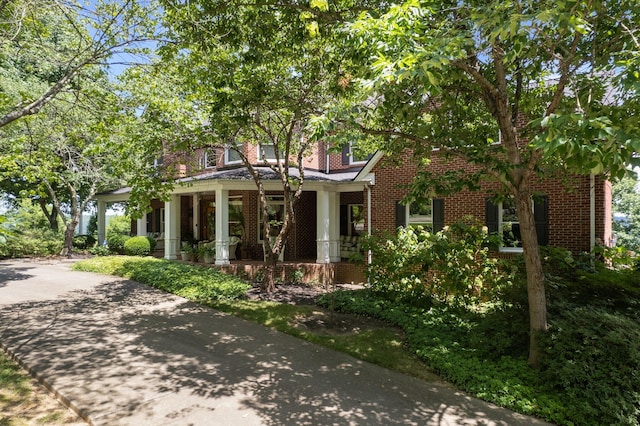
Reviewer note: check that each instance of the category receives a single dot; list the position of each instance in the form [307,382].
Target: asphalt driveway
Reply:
[121,353]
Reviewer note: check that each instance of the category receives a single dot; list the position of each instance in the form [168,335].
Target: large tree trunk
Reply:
[51,217]
[67,248]
[269,278]
[535,276]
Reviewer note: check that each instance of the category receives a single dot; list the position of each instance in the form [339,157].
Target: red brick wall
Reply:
[569,209]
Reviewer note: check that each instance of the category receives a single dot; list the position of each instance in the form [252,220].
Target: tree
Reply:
[71,150]
[248,74]
[626,210]
[554,82]
[46,44]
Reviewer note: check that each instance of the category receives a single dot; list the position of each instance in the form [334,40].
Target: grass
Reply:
[23,402]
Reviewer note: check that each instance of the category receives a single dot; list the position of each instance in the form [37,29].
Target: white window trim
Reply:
[206,158]
[279,200]
[157,162]
[267,159]
[504,249]
[352,160]
[226,157]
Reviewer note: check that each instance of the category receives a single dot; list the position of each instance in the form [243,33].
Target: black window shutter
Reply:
[157,224]
[401,214]
[491,216]
[345,155]
[438,214]
[541,217]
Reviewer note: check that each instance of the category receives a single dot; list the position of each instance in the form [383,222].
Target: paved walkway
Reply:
[121,353]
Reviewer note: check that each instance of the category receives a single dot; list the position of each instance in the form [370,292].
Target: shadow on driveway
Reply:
[123,353]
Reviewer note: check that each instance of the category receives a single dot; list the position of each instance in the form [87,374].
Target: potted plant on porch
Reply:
[207,252]
[186,251]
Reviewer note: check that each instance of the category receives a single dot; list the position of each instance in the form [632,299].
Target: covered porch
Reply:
[222,209]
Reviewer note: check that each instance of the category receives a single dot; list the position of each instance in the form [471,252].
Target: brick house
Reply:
[345,197]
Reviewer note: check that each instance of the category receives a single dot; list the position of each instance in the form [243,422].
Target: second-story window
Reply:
[210,158]
[352,155]
[231,156]
[268,152]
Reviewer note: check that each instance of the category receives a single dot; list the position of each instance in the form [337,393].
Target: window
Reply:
[502,219]
[356,219]
[275,210]
[236,219]
[210,158]
[268,152]
[420,214]
[429,214]
[352,155]
[157,162]
[509,225]
[231,156]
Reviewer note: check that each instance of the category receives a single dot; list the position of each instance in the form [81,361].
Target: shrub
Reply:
[32,242]
[99,251]
[115,242]
[152,243]
[83,242]
[137,246]
[592,360]
[416,266]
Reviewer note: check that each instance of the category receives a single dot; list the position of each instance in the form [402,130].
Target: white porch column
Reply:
[322,227]
[102,216]
[171,227]
[142,225]
[334,226]
[196,216]
[222,227]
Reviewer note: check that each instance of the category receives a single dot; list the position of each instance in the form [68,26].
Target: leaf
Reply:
[322,5]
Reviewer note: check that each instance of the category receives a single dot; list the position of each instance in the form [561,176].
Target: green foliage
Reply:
[201,285]
[116,242]
[137,246]
[626,204]
[83,242]
[417,266]
[592,352]
[100,251]
[32,242]
[119,225]
[593,360]
[296,276]
[30,234]
[152,243]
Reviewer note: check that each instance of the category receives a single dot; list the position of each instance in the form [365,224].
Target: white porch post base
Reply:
[222,252]
[323,251]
